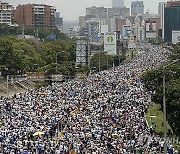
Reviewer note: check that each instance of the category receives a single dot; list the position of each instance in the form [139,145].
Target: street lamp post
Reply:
[119,58]
[99,62]
[107,61]
[7,84]
[164,105]
[164,111]
[113,63]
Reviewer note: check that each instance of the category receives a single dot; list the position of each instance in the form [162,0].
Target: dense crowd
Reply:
[101,114]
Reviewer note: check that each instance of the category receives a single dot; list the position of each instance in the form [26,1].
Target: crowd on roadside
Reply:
[101,114]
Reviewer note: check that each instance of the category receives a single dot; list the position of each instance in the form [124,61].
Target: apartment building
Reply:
[35,15]
[5,13]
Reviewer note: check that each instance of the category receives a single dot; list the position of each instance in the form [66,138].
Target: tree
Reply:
[101,60]
[24,55]
[9,58]
[153,81]
[8,30]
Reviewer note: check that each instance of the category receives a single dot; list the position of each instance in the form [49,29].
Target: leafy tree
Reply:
[153,81]
[9,30]
[105,61]
[9,60]
[172,102]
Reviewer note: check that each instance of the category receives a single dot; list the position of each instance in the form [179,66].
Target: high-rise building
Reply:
[137,7]
[35,15]
[117,3]
[58,21]
[101,12]
[152,27]
[5,13]
[161,7]
[118,12]
[171,19]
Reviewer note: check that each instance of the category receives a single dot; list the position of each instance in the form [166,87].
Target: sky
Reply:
[72,9]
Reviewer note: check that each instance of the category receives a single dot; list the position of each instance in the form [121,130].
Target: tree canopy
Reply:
[22,55]
[153,81]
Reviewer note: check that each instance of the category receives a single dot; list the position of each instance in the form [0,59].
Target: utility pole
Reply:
[56,67]
[164,111]
[7,84]
[113,63]
[107,61]
[99,62]
[119,58]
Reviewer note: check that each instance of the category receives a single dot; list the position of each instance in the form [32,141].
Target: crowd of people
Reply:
[101,114]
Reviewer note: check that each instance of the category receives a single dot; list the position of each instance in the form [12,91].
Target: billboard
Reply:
[175,37]
[126,31]
[151,29]
[110,44]
[82,51]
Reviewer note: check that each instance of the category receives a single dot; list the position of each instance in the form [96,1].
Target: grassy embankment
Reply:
[155,115]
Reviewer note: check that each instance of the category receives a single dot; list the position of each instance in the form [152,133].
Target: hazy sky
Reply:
[72,9]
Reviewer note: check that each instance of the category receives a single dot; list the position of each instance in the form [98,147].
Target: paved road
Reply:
[104,113]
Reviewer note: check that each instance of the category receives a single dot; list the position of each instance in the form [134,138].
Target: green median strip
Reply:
[155,115]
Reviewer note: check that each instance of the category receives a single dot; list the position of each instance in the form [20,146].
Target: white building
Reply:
[139,28]
[117,3]
[112,24]
[74,32]
[161,7]
[175,37]
[5,13]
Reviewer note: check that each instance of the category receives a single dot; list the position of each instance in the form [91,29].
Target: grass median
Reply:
[155,115]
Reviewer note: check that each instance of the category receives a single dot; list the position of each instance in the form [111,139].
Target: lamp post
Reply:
[7,84]
[113,63]
[164,105]
[99,62]
[107,61]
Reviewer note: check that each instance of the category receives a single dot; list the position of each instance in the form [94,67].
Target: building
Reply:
[74,32]
[171,19]
[117,3]
[112,24]
[139,28]
[101,12]
[173,3]
[148,15]
[118,12]
[152,27]
[5,13]
[58,21]
[119,24]
[175,37]
[161,7]
[82,21]
[100,20]
[98,12]
[137,7]
[92,26]
[35,15]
